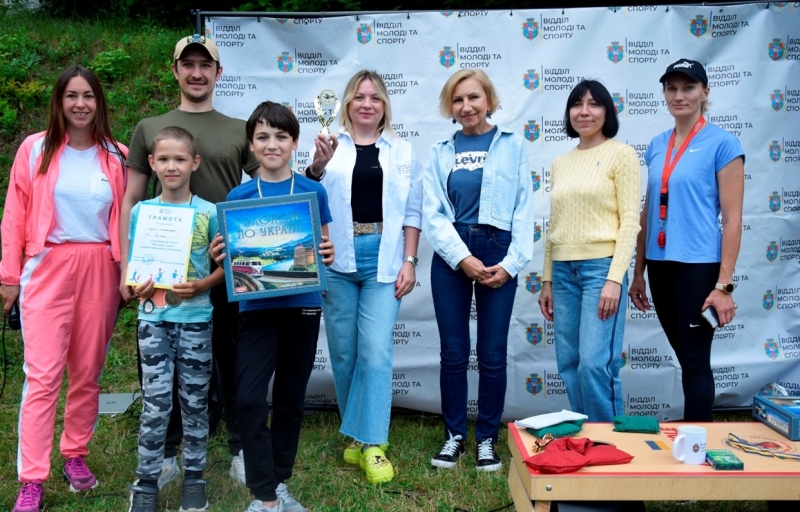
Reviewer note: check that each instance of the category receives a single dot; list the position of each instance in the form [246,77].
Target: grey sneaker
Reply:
[289,503]
[237,468]
[143,498]
[169,471]
[258,506]
[193,496]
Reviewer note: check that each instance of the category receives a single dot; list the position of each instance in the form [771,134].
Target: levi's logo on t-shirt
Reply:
[470,160]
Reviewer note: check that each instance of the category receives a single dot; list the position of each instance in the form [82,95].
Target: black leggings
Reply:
[679,291]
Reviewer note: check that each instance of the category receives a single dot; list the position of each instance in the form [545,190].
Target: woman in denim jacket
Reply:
[374,184]
[478,217]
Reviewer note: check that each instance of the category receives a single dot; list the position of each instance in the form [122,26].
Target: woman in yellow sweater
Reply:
[594,220]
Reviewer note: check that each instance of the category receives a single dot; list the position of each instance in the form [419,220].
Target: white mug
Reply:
[689,446]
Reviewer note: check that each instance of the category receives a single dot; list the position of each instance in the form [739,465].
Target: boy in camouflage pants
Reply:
[175,330]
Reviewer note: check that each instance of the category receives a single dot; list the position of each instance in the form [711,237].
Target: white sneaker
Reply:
[258,506]
[289,503]
[237,468]
[169,471]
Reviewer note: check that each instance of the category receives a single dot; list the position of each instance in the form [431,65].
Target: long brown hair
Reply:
[57,125]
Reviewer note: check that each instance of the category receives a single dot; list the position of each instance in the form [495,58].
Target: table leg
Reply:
[522,501]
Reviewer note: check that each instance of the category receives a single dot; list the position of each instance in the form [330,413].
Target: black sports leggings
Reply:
[679,290]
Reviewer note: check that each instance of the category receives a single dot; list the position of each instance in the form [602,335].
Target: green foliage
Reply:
[131,58]
[175,13]
[18,55]
[300,5]
[128,317]
[29,93]
[8,117]
[111,65]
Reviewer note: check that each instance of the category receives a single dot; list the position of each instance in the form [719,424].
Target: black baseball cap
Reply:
[690,68]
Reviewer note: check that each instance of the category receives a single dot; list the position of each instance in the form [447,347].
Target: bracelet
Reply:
[311,176]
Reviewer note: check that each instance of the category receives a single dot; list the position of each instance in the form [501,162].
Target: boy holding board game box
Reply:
[175,330]
[276,334]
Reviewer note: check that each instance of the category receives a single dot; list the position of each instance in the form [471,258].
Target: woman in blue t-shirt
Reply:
[696,174]
[477,216]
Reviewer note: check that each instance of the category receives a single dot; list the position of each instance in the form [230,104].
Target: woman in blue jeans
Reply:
[374,185]
[478,217]
[594,213]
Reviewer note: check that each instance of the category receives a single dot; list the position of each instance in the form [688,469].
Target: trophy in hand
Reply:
[327,106]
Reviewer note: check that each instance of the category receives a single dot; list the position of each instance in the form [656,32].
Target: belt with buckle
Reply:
[367,228]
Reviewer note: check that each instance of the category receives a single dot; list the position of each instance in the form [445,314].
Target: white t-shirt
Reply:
[82,198]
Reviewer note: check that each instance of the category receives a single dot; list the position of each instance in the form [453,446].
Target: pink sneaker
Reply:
[30,498]
[77,473]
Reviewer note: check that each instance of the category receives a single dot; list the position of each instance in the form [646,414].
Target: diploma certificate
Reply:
[161,244]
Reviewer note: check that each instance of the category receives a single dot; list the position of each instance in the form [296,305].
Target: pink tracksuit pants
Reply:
[68,304]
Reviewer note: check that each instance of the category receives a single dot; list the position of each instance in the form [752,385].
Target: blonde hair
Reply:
[446,96]
[350,92]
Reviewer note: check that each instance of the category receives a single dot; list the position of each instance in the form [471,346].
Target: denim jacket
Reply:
[402,201]
[506,200]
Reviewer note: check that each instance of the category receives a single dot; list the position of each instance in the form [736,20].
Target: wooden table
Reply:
[653,474]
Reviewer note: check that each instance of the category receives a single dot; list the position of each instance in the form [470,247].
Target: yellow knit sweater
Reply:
[594,207]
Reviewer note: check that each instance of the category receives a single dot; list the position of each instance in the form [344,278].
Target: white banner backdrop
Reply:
[534,57]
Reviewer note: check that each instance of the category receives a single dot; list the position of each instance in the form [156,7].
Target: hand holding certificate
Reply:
[161,245]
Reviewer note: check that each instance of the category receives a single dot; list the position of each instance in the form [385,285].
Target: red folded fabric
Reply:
[569,443]
[606,455]
[567,454]
[554,462]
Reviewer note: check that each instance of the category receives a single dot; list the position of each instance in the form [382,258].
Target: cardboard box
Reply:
[780,413]
[724,460]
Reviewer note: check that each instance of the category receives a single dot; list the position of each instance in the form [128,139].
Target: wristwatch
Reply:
[727,288]
[412,259]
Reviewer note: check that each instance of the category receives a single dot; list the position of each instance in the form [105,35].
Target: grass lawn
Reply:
[322,481]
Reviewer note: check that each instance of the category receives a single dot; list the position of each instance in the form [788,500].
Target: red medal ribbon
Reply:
[667,171]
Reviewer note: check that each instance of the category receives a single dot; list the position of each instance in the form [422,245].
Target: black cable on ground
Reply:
[5,359]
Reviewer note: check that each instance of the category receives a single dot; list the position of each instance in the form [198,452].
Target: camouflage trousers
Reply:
[163,346]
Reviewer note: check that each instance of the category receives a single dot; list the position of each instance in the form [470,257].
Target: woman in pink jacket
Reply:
[60,264]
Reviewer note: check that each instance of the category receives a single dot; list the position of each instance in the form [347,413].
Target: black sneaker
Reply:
[193,495]
[143,498]
[486,459]
[452,450]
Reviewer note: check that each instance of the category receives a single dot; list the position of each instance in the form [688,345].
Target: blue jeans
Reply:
[359,317]
[588,350]
[452,299]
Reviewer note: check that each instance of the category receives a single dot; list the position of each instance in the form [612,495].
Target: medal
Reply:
[173,299]
[149,306]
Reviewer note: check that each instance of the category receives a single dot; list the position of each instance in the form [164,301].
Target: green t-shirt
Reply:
[221,143]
